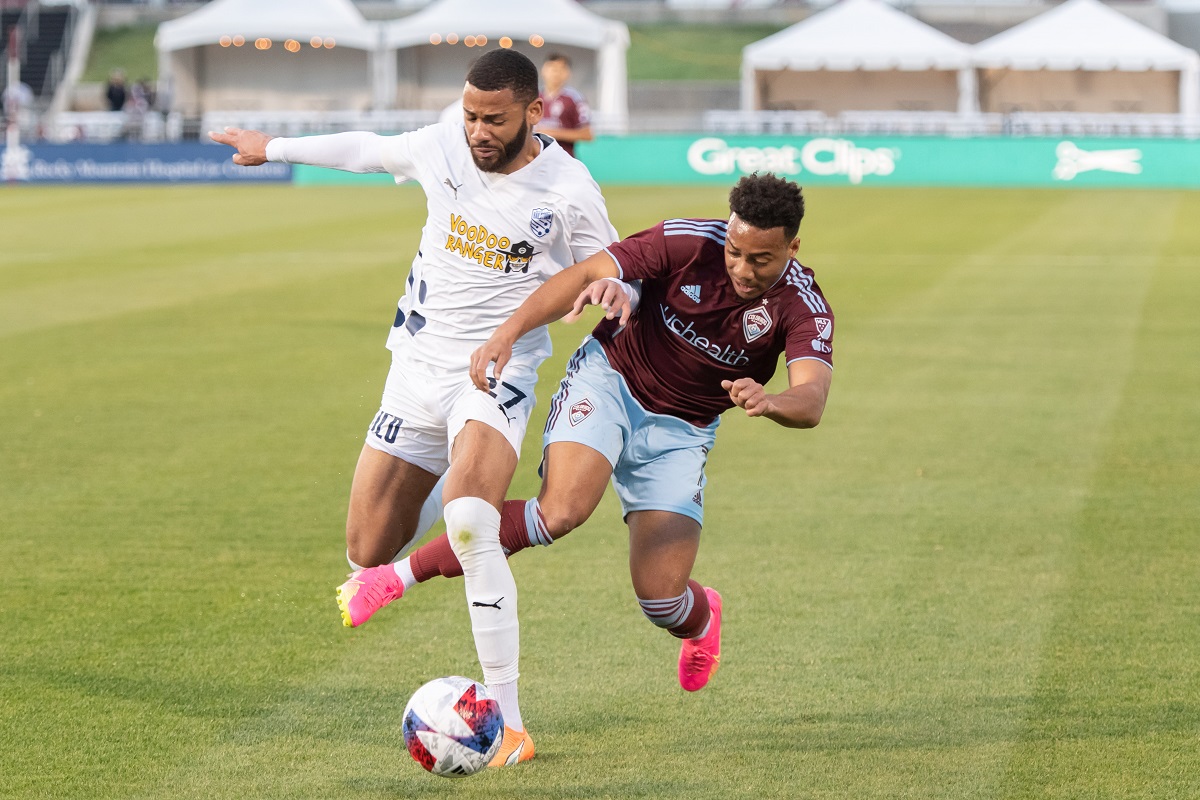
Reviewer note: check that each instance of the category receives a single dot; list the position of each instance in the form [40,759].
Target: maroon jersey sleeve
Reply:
[810,331]
[652,254]
[580,113]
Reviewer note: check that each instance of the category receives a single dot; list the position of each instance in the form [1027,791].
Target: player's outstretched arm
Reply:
[251,146]
[552,300]
[352,151]
[799,406]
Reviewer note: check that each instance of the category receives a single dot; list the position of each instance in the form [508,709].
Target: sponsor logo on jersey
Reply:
[821,347]
[824,327]
[476,243]
[755,322]
[517,257]
[692,291]
[540,221]
[453,187]
[716,351]
[580,411]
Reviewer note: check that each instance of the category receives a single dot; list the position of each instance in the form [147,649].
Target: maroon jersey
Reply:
[691,330]
[567,111]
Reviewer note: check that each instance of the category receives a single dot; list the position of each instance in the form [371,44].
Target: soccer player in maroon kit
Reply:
[641,400]
[567,117]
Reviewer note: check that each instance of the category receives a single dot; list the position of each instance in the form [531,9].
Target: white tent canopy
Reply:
[428,75]
[1085,36]
[204,70]
[828,54]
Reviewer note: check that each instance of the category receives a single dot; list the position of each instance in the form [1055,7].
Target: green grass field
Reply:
[978,578]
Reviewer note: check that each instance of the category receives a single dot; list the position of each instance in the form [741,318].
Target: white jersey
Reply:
[490,239]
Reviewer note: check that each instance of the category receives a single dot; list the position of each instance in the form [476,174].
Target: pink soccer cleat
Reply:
[699,658]
[367,591]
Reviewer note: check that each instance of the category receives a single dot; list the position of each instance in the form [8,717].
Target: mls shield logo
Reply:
[755,323]
[579,412]
[540,221]
[824,327]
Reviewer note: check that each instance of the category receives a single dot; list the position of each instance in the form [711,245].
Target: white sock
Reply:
[405,574]
[473,527]
[431,512]
[506,695]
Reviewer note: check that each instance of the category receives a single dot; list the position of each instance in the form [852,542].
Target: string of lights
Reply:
[328,43]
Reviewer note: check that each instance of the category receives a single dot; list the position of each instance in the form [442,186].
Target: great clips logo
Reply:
[824,157]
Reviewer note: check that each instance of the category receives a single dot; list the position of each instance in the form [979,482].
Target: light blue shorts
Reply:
[657,460]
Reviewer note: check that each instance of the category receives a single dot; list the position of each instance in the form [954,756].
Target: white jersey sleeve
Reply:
[587,216]
[354,151]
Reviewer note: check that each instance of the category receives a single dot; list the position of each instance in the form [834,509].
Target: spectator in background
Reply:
[142,94]
[18,101]
[567,117]
[115,92]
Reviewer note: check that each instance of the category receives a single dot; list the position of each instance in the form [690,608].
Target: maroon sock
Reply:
[437,557]
[695,621]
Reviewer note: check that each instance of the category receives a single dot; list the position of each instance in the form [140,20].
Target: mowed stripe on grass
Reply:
[975,579]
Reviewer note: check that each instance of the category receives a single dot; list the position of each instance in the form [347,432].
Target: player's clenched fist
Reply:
[749,394]
[251,146]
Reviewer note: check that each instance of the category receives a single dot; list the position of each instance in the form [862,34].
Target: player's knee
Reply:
[472,526]
[561,518]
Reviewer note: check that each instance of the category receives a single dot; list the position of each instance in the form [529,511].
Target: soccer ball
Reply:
[452,727]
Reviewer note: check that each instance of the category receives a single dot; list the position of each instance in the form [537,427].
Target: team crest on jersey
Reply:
[540,222]
[517,257]
[824,327]
[692,291]
[580,411]
[755,322]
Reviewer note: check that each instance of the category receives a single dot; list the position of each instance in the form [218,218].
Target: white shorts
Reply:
[425,406]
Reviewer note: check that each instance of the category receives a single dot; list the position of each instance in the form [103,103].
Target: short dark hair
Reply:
[505,69]
[766,201]
[558,57]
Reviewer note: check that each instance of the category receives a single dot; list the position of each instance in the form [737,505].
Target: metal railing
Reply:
[100,126]
[949,123]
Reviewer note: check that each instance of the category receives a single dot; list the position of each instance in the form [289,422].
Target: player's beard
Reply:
[507,154]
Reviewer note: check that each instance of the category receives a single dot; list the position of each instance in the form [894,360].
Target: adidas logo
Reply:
[692,291]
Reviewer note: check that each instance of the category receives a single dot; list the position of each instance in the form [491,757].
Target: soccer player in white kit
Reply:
[507,209]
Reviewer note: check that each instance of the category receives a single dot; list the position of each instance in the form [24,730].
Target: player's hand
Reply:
[610,295]
[251,146]
[496,350]
[749,394]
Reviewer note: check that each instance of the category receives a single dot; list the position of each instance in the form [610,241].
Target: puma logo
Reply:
[495,605]
[453,188]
